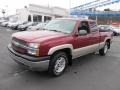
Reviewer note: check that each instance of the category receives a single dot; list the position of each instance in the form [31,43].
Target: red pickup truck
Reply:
[60,41]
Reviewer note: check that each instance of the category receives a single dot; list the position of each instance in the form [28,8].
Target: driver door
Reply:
[83,41]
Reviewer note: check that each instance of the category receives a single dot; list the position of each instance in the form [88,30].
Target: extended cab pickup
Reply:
[60,41]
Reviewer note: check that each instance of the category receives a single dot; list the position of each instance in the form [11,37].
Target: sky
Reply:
[11,5]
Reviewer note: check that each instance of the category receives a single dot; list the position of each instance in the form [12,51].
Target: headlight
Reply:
[33,45]
[33,49]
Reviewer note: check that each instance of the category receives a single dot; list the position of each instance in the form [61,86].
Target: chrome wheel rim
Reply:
[60,64]
[105,49]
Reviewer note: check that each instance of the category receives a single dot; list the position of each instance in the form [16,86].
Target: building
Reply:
[37,13]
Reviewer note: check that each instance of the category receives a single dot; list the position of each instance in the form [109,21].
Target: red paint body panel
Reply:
[95,37]
[46,45]
[37,36]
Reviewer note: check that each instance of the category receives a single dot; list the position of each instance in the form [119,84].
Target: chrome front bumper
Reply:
[33,63]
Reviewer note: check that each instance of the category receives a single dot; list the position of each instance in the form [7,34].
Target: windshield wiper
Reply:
[44,29]
[57,31]
[53,30]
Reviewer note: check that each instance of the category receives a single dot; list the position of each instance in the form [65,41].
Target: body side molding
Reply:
[56,48]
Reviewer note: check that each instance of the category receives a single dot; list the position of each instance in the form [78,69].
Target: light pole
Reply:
[3,12]
[69,7]
[48,4]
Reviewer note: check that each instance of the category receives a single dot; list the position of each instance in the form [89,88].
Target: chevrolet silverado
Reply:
[61,41]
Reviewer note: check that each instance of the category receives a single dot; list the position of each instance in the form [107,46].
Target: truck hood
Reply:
[37,36]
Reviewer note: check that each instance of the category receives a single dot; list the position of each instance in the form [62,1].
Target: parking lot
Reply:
[90,72]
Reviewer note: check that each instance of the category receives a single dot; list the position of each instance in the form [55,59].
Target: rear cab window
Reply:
[93,26]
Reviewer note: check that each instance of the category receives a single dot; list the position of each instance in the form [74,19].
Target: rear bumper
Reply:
[33,63]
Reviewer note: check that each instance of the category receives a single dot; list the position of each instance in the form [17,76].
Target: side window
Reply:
[84,26]
[93,26]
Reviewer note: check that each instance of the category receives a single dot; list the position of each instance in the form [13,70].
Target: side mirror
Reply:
[82,32]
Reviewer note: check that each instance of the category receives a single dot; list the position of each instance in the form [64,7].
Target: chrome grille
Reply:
[19,45]
[21,42]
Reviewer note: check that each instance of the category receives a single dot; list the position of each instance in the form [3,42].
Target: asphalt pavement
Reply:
[90,72]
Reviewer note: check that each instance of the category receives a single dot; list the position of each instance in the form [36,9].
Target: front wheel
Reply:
[58,64]
[104,50]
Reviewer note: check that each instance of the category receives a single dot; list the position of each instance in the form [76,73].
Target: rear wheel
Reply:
[104,50]
[58,64]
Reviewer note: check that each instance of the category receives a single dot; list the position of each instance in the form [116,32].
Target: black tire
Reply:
[51,70]
[104,50]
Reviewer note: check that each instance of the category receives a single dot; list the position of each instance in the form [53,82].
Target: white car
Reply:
[10,24]
[116,29]
[4,24]
[2,20]
[36,27]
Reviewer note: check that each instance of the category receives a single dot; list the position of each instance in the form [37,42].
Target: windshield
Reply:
[65,26]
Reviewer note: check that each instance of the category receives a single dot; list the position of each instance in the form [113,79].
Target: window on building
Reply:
[93,26]
[37,18]
[47,18]
[29,18]
[34,18]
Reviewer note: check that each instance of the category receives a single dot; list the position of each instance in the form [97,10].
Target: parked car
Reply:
[61,41]
[109,28]
[1,21]
[15,26]
[10,24]
[116,30]
[25,26]
[37,27]
[106,28]
[4,24]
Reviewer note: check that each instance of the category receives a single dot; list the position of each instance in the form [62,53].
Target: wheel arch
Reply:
[67,48]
